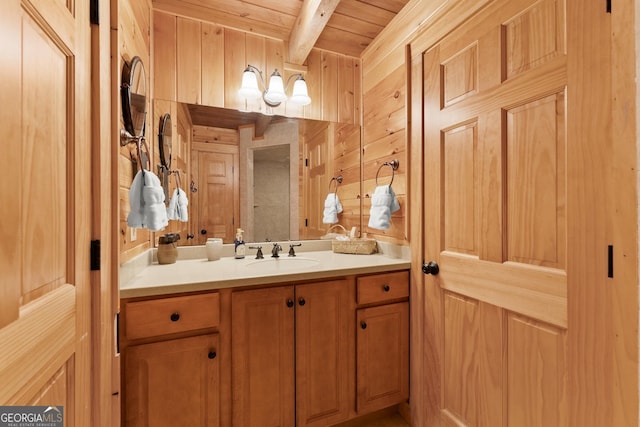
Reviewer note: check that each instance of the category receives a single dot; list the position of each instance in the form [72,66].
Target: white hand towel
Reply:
[383,204]
[135,219]
[177,209]
[332,207]
[155,212]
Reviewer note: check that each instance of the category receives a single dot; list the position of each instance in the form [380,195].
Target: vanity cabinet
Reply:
[291,352]
[382,341]
[171,361]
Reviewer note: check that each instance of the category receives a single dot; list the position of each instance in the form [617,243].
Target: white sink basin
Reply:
[282,264]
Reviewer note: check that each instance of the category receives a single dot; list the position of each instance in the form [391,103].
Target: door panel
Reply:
[45,320]
[218,194]
[495,216]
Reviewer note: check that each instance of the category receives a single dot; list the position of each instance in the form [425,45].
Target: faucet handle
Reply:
[291,251]
[259,253]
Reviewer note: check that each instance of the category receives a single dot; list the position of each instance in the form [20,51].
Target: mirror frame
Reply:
[129,71]
[165,141]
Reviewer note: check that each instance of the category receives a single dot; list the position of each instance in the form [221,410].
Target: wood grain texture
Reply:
[189,57]
[164,56]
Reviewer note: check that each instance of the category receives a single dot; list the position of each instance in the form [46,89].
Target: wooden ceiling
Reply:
[341,26]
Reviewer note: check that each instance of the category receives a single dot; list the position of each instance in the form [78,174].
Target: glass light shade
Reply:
[249,88]
[300,94]
[275,92]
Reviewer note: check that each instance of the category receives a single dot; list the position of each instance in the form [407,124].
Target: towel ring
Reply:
[338,180]
[393,164]
[143,159]
[177,173]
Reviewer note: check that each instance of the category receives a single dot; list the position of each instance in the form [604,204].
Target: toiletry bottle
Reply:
[239,243]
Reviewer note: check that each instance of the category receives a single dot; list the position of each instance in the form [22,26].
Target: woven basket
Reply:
[354,246]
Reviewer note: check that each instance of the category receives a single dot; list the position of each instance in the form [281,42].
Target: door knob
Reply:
[430,268]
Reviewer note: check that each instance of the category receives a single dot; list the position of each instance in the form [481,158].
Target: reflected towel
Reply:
[178,206]
[383,203]
[332,207]
[146,199]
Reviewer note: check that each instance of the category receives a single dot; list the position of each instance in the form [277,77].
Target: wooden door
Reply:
[218,194]
[46,218]
[317,174]
[382,361]
[495,218]
[175,382]
[323,325]
[262,357]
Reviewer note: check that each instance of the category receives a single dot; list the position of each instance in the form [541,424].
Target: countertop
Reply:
[198,274]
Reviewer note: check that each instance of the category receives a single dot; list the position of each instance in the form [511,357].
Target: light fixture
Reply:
[274,94]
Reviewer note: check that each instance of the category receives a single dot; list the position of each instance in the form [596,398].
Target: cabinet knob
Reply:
[289,303]
[212,355]
[363,324]
[301,301]
[203,231]
[386,288]
[175,317]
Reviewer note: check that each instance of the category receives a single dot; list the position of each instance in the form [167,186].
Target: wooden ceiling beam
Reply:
[312,19]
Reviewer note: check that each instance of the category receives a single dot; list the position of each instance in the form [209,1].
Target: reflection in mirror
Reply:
[317,151]
[271,201]
[164,148]
[134,97]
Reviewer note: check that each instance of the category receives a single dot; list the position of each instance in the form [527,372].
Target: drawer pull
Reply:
[386,288]
[175,317]
[363,324]
[212,355]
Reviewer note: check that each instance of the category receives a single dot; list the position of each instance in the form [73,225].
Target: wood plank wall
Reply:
[384,87]
[134,39]
[201,63]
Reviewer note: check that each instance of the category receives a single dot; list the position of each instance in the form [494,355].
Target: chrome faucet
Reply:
[274,251]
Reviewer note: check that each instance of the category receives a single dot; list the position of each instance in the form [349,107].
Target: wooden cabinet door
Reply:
[45,307]
[382,349]
[173,383]
[323,326]
[262,357]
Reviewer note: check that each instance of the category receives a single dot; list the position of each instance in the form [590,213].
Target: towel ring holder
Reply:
[338,180]
[143,159]
[393,164]
[177,174]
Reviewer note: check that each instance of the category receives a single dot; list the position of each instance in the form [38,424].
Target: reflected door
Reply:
[218,197]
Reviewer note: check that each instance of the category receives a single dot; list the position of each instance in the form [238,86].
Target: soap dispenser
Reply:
[239,243]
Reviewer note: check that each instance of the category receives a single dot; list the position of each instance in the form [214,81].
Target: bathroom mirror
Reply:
[164,141]
[133,91]
[281,185]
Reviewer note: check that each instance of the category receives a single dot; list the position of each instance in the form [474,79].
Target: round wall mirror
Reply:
[134,97]
[164,141]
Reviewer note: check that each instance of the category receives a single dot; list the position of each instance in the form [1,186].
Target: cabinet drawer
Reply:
[383,287]
[171,315]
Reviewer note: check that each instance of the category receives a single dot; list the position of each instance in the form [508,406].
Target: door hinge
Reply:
[306,162]
[116,324]
[95,255]
[608,6]
[306,222]
[94,12]
[610,261]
